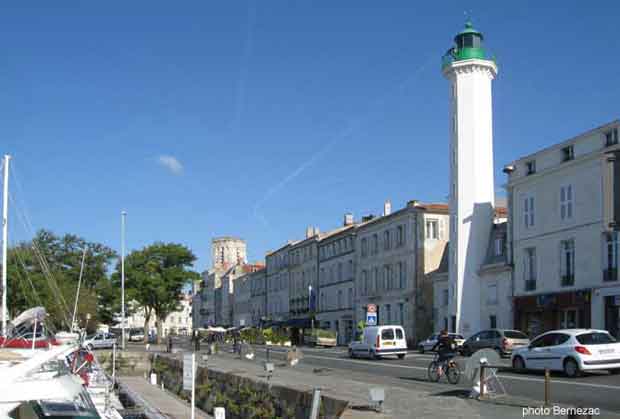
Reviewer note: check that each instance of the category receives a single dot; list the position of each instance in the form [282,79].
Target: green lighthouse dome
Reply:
[468,45]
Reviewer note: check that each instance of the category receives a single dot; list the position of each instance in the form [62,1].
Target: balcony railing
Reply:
[465,54]
[610,274]
[530,285]
[568,280]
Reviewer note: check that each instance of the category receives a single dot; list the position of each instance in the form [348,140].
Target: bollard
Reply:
[481,381]
[547,386]
[316,403]
[268,356]
[219,413]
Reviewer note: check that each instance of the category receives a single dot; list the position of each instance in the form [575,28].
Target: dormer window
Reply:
[530,167]
[611,137]
[568,153]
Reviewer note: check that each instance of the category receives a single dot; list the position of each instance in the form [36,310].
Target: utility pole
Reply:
[123,215]
[5,243]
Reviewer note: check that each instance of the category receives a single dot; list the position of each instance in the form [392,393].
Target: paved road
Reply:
[593,390]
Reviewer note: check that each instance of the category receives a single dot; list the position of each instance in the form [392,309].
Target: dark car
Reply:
[501,340]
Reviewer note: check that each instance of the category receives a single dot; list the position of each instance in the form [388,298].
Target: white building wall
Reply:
[496,298]
[585,226]
[587,174]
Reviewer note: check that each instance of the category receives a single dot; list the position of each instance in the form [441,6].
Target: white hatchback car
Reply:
[570,350]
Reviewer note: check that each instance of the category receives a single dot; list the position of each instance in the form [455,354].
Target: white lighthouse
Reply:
[470,71]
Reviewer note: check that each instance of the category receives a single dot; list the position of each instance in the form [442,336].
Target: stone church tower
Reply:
[228,251]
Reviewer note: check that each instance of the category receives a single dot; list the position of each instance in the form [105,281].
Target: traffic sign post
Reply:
[371,315]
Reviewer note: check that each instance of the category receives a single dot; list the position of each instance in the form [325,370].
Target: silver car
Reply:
[100,340]
[429,343]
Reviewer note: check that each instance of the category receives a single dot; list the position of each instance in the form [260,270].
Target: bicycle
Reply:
[448,367]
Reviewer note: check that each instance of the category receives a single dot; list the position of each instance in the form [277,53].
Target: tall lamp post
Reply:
[123,215]
[310,307]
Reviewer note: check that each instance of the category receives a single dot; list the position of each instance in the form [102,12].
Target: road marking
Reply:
[553,381]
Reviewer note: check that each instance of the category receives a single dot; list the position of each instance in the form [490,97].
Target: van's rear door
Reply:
[388,338]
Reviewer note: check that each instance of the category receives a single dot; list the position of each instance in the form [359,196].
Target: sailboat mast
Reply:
[5,236]
[77,293]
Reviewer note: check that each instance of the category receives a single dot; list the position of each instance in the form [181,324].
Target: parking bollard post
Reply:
[547,386]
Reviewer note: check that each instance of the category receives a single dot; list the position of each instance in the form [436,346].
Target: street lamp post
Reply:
[123,215]
[310,307]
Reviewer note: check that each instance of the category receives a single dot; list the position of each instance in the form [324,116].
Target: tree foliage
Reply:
[155,277]
[45,271]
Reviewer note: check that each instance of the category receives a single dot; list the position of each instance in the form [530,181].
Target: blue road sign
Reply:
[371,319]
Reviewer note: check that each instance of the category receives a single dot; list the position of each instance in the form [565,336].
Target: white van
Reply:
[378,341]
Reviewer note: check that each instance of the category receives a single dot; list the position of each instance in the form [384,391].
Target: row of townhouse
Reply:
[554,262]
[327,279]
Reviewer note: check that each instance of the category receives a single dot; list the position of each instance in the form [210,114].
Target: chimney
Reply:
[348,219]
[387,208]
[413,203]
[309,232]
[316,231]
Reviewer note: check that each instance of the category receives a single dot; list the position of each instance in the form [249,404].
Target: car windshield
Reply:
[515,334]
[455,336]
[595,338]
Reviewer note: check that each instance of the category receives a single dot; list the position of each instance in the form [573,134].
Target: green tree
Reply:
[155,277]
[45,271]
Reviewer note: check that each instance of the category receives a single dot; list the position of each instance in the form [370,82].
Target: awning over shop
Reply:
[304,323]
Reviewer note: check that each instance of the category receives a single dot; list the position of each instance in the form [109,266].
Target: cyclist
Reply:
[445,348]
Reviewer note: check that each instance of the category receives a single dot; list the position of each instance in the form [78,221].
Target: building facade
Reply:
[337,260]
[242,301]
[258,296]
[564,222]
[277,264]
[396,252]
[303,282]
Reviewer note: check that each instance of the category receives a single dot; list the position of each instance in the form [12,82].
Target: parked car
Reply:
[570,350]
[429,343]
[100,340]
[502,340]
[378,341]
[136,337]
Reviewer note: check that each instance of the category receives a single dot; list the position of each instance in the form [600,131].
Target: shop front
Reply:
[535,314]
[612,315]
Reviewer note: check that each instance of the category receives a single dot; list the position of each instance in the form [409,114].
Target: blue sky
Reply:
[258,118]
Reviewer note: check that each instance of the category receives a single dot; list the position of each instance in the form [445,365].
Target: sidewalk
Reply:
[400,402]
[161,403]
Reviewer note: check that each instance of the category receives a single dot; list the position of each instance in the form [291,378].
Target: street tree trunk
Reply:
[159,329]
[147,320]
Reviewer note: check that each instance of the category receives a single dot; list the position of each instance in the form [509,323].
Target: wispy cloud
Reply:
[352,125]
[171,163]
